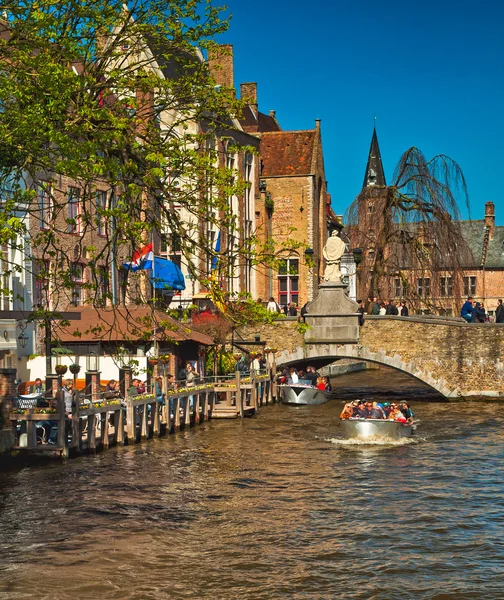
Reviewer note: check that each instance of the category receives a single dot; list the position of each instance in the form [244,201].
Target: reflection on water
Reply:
[273,507]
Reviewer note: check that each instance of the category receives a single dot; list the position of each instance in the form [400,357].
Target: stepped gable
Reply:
[287,152]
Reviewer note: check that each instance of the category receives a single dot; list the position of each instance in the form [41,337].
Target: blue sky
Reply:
[431,72]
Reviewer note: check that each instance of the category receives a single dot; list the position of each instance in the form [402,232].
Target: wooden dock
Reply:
[102,423]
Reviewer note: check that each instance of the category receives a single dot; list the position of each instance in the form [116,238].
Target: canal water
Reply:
[273,507]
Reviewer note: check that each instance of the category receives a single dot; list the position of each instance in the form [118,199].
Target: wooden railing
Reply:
[106,422]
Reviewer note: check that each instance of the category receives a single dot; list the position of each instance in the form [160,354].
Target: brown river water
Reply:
[273,507]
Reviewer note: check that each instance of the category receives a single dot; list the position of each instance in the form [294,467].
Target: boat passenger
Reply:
[311,374]
[328,387]
[320,384]
[404,407]
[396,414]
[375,412]
[347,412]
[293,376]
[386,409]
[360,410]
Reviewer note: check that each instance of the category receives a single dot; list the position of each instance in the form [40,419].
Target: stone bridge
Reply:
[459,360]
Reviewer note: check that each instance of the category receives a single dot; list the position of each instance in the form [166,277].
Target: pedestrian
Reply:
[466,311]
[391,308]
[404,312]
[292,310]
[478,314]
[361,311]
[376,306]
[383,309]
[272,306]
[304,311]
[499,312]
[39,388]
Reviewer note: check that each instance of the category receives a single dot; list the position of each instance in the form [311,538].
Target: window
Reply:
[445,287]
[41,283]
[45,205]
[423,286]
[74,210]
[370,208]
[77,274]
[101,206]
[398,287]
[288,281]
[469,286]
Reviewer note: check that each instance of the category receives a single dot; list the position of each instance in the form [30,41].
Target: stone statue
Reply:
[333,251]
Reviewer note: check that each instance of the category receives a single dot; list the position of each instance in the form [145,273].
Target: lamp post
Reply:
[93,375]
[357,256]
[22,337]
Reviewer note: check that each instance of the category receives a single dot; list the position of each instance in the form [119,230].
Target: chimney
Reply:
[248,92]
[272,113]
[490,218]
[220,64]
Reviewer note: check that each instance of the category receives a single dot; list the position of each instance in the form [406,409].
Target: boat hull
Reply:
[303,395]
[367,428]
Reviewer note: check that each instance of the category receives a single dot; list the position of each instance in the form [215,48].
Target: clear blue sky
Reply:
[432,72]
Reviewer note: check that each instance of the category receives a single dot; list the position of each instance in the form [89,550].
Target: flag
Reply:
[215,259]
[142,259]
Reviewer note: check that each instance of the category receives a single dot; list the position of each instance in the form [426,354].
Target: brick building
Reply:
[294,208]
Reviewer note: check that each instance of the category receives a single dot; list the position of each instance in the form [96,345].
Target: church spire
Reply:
[374,170]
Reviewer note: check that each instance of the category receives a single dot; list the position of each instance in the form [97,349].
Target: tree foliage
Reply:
[410,229]
[116,99]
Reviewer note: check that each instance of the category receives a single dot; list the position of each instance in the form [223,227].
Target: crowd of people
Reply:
[360,409]
[475,312]
[309,377]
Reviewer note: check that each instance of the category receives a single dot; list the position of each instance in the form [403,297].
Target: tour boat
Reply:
[300,394]
[366,428]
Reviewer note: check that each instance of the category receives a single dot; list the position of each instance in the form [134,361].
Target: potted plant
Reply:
[74,369]
[60,369]
[153,360]
[164,359]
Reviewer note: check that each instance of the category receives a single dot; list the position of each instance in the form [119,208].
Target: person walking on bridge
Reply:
[499,312]
[467,310]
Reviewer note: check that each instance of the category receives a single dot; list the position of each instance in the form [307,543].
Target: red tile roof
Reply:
[125,324]
[287,152]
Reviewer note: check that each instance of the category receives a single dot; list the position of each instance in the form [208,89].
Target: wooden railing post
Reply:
[130,420]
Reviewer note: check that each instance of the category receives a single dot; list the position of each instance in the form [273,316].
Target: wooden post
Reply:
[91,435]
[76,433]
[62,438]
[143,423]
[176,410]
[155,417]
[197,408]
[130,420]
[119,425]
[253,392]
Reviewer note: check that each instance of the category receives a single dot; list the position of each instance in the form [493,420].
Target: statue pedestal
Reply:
[332,316]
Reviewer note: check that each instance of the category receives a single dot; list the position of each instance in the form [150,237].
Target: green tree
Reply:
[410,230]
[118,100]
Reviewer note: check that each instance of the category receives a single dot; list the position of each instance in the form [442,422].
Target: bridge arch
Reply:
[331,352]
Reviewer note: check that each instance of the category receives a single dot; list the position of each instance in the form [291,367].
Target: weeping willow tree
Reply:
[111,137]
[409,231]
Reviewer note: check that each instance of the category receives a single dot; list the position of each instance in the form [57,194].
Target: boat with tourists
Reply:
[302,394]
[389,421]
